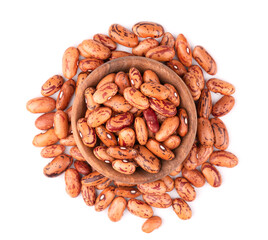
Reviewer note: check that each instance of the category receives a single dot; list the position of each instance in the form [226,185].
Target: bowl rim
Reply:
[99,72]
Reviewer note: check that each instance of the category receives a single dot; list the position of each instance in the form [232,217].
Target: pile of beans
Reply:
[132,107]
[208,151]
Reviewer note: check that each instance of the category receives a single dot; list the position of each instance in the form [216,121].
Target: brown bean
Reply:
[150,76]
[69,113]
[124,166]
[220,133]
[172,142]
[99,116]
[118,54]
[139,208]
[151,120]
[141,130]
[72,182]
[86,133]
[144,46]
[146,160]
[197,71]
[106,136]
[101,154]
[183,127]
[41,105]
[157,187]
[123,36]
[168,40]
[105,93]
[58,165]
[219,86]
[116,209]
[168,127]
[223,159]
[122,81]
[52,85]
[118,104]
[161,53]
[93,179]
[136,98]
[159,150]
[211,174]
[135,77]
[119,122]
[65,94]
[126,137]
[148,29]
[105,40]
[191,161]
[89,64]
[164,107]
[223,106]
[81,50]
[69,62]
[91,104]
[155,90]
[104,199]
[204,132]
[52,151]
[122,152]
[173,94]
[177,67]
[68,141]
[204,107]
[151,224]
[45,121]
[191,82]
[75,153]
[82,167]
[45,139]
[94,49]
[103,185]
[203,153]
[110,78]
[185,190]
[80,79]
[181,208]
[61,124]
[183,50]
[169,182]
[204,59]
[127,192]
[158,201]
[194,177]
[88,194]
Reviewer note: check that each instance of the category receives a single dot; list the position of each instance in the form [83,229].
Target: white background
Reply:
[34,35]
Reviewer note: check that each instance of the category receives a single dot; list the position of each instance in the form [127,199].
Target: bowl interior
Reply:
[166,75]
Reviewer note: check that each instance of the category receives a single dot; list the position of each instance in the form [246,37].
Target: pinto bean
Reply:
[123,36]
[144,46]
[58,165]
[183,50]
[41,105]
[204,59]
[147,160]
[52,85]
[148,29]
[159,150]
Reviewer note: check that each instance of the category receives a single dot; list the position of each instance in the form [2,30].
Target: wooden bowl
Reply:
[166,75]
